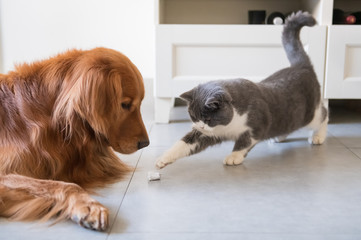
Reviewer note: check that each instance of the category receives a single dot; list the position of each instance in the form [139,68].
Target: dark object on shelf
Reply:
[357,16]
[340,17]
[256,16]
[276,18]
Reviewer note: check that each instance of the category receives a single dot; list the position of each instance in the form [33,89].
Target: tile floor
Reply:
[285,191]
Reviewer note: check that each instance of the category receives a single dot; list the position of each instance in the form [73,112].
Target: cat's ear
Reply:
[217,100]
[187,96]
[213,103]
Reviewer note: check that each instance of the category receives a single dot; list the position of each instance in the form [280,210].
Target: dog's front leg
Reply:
[25,198]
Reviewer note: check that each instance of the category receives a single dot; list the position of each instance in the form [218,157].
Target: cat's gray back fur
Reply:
[286,100]
[283,102]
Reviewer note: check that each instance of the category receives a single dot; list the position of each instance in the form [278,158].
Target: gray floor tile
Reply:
[230,236]
[356,151]
[35,231]
[346,127]
[289,190]
[299,190]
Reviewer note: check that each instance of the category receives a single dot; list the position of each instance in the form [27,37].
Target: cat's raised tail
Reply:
[291,37]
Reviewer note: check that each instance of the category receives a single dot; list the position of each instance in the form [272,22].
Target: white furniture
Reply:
[203,40]
[343,60]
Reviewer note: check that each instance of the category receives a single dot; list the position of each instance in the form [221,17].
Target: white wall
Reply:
[36,29]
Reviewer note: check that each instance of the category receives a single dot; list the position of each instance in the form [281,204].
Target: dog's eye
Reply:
[126,106]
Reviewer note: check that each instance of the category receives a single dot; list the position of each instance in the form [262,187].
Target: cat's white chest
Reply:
[232,130]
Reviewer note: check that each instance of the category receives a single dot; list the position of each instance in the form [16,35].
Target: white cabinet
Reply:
[203,40]
[343,59]
[191,54]
[343,68]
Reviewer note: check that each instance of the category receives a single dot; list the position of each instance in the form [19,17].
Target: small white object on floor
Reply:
[153,176]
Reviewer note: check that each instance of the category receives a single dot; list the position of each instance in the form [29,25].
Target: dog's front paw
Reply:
[163,161]
[90,215]
[235,158]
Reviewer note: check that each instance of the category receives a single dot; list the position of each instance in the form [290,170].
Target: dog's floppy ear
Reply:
[100,94]
[88,94]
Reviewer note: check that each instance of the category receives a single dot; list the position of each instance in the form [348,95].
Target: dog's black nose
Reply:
[143,144]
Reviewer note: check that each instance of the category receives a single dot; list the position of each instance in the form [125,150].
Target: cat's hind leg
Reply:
[319,135]
[319,126]
[191,143]
[241,147]
[279,139]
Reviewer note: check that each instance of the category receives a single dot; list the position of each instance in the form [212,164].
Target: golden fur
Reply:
[60,120]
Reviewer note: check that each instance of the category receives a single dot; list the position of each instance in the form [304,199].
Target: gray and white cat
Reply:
[246,112]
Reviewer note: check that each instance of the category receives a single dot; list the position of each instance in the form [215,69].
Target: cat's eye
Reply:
[212,108]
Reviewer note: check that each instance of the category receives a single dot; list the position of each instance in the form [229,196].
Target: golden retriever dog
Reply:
[60,120]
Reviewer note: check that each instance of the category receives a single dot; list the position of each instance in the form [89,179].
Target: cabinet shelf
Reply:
[228,11]
[203,40]
[348,5]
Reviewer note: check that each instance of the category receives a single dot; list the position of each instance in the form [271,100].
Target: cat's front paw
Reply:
[316,140]
[235,158]
[163,161]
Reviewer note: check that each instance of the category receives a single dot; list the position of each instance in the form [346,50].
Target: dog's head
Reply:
[104,89]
